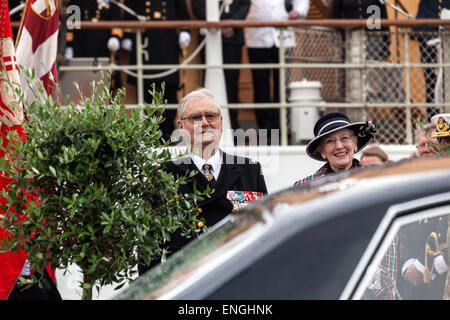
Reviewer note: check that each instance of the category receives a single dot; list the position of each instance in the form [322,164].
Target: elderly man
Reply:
[234,180]
[425,140]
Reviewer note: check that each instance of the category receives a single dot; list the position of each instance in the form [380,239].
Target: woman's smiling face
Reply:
[339,148]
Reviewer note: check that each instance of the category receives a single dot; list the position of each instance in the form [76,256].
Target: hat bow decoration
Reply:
[367,130]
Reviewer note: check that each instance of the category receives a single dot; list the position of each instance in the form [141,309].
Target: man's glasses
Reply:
[423,146]
[197,117]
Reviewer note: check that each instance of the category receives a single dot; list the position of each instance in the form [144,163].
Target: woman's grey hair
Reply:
[198,94]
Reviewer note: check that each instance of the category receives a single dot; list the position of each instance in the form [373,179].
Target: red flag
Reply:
[38,42]
[11,118]
[11,113]
[36,50]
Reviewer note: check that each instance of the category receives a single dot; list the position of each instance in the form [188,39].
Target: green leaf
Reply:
[107,229]
[87,285]
[82,234]
[66,234]
[52,170]
[119,286]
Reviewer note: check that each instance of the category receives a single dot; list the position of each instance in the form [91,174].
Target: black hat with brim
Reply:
[331,122]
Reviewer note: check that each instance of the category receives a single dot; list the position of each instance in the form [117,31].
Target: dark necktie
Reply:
[207,173]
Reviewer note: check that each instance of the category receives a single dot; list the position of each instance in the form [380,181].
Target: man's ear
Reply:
[180,124]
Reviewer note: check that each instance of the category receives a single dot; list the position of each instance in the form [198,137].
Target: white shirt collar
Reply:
[215,161]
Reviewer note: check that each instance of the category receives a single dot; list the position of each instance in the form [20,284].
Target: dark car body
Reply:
[323,240]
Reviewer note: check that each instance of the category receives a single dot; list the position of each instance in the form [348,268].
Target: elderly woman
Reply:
[336,141]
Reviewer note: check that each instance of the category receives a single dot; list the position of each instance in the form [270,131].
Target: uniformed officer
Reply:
[232,43]
[377,46]
[442,133]
[424,261]
[377,42]
[163,47]
[94,42]
[429,9]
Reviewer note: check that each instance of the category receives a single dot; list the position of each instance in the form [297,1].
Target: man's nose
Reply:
[205,122]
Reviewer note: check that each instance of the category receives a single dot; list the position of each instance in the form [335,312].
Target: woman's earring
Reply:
[324,156]
[356,148]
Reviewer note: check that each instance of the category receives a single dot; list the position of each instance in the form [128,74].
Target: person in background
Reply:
[164,46]
[429,9]
[377,47]
[232,43]
[263,47]
[364,45]
[336,142]
[94,43]
[373,155]
[442,133]
[425,257]
[235,180]
[425,140]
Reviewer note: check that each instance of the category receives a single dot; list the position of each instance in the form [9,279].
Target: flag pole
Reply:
[3,27]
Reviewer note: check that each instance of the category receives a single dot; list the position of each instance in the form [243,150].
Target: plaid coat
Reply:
[323,171]
[383,286]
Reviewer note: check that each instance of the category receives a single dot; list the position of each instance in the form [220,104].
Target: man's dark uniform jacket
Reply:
[236,173]
[377,42]
[163,47]
[231,48]
[237,11]
[430,9]
[93,42]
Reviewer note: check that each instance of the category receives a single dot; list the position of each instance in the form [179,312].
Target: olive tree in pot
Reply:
[103,198]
